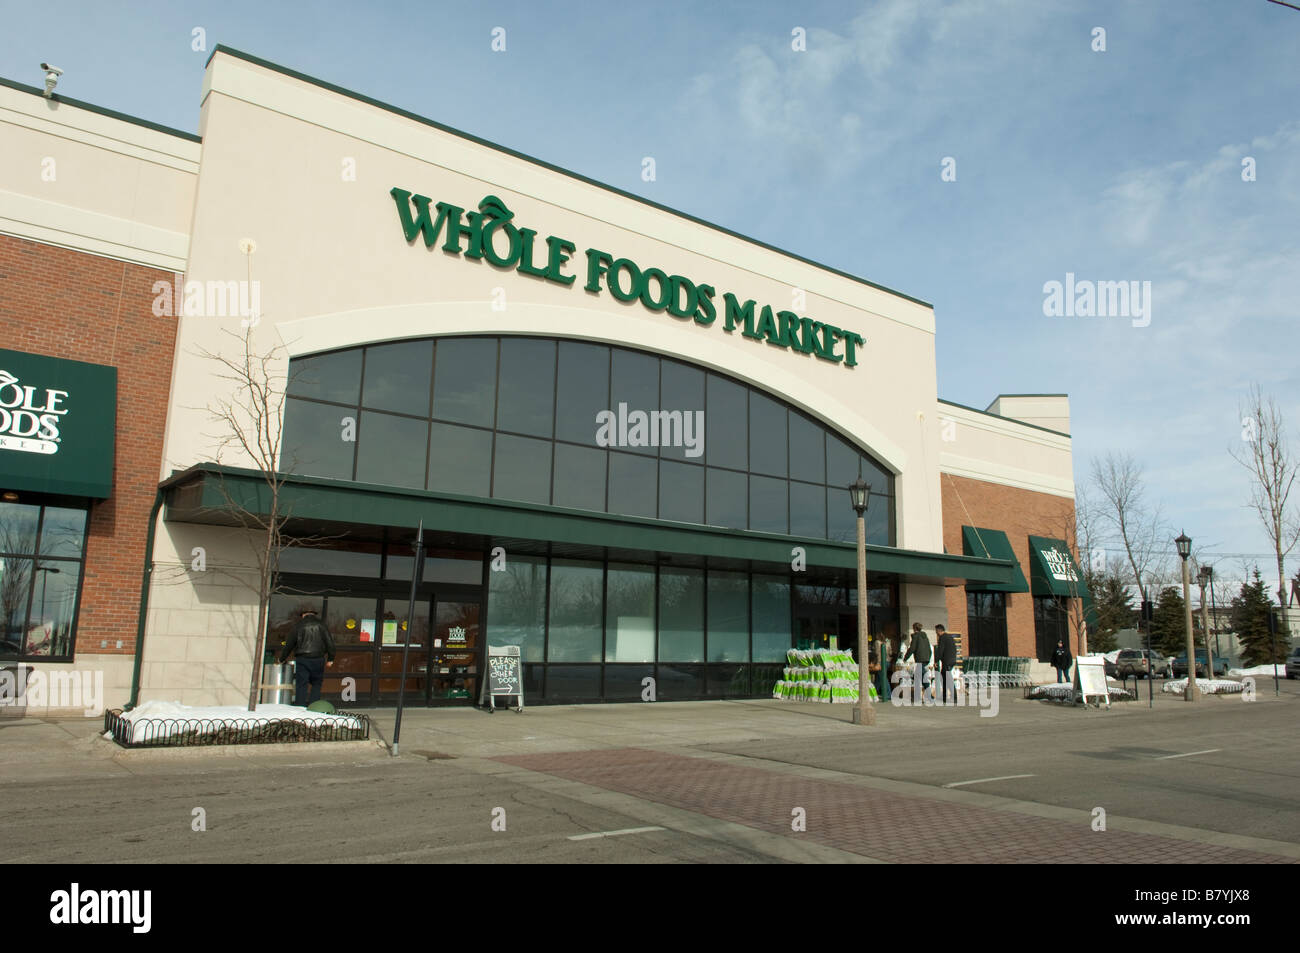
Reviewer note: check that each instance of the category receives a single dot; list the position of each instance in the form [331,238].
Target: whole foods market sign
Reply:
[57,423]
[490,233]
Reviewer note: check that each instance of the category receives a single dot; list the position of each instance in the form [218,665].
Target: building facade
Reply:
[626,433]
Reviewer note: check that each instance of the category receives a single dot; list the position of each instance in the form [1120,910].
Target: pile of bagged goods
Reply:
[819,675]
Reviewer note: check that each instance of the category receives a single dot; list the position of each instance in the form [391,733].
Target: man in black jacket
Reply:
[946,655]
[920,650]
[311,644]
[1061,660]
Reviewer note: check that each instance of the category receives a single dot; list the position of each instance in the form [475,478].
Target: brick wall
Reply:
[72,305]
[1019,514]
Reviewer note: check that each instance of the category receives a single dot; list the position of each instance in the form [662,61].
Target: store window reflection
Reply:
[41,553]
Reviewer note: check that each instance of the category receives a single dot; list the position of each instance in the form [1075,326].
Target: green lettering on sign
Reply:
[490,233]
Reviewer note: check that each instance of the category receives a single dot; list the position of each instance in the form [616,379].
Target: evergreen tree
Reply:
[1169,624]
[1113,604]
[1250,614]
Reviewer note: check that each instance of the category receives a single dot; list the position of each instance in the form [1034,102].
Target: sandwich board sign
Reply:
[1090,678]
[504,676]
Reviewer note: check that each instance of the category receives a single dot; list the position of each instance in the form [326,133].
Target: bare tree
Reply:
[1136,525]
[251,415]
[1273,470]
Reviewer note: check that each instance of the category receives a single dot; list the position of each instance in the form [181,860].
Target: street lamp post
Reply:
[1203,577]
[1190,693]
[1214,614]
[864,713]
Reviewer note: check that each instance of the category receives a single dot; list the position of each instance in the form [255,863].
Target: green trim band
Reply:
[206,492]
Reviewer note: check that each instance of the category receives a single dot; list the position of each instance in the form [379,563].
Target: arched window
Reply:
[580,425]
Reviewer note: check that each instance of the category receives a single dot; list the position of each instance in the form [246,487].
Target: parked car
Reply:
[1133,662]
[1293,663]
[1180,665]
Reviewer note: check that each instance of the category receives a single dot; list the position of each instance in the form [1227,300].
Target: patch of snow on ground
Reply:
[1264,670]
[211,719]
[1217,686]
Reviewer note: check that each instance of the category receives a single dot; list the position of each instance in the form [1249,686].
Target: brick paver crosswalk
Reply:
[882,825]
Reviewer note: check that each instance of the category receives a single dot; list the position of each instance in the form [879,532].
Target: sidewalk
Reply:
[36,748]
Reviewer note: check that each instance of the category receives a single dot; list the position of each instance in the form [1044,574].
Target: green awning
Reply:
[992,544]
[209,493]
[1053,571]
[58,420]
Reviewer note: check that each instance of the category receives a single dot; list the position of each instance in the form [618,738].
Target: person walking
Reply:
[311,646]
[946,653]
[1061,660]
[919,650]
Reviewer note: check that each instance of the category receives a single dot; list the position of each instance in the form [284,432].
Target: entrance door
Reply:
[398,633]
[457,652]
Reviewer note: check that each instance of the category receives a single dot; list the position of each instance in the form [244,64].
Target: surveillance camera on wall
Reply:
[52,74]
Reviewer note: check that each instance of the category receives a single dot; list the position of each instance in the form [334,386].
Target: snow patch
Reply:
[1267,671]
[212,719]
[1207,686]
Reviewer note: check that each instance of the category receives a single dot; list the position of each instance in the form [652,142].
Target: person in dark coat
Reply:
[946,654]
[920,650]
[311,645]
[1061,660]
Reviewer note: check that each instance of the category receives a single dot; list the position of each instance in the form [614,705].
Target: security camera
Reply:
[52,74]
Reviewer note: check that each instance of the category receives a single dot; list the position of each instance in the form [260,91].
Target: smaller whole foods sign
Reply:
[57,425]
[490,233]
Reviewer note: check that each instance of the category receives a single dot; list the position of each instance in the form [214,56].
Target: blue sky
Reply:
[1122,165]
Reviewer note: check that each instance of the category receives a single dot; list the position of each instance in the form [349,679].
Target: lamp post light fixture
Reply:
[1203,577]
[1190,693]
[864,713]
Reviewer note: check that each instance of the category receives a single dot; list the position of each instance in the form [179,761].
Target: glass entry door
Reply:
[397,632]
[456,660]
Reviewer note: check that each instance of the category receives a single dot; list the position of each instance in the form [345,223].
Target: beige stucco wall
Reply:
[79,179]
[984,447]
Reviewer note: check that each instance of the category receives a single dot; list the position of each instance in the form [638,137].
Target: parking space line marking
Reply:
[1005,777]
[629,830]
[1166,757]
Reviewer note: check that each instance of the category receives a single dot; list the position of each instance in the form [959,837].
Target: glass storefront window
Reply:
[633,487]
[63,532]
[522,469]
[335,377]
[808,510]
[767,436]
[683,389]
[768,505]
[397,377]
[681,615]
[728,616]
[525,402]
[634,381]
[465,380]
[460,459]
[807,450]
[391,450]
[577,611]
[579,477]
[314,442]
[681,492]
[771,618]
[630,614]
[728,411]
[41,548]
[727,499]
[517,606]
[333,558]
[582,391]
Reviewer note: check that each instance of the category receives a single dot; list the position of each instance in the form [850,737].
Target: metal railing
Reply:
[184,733]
